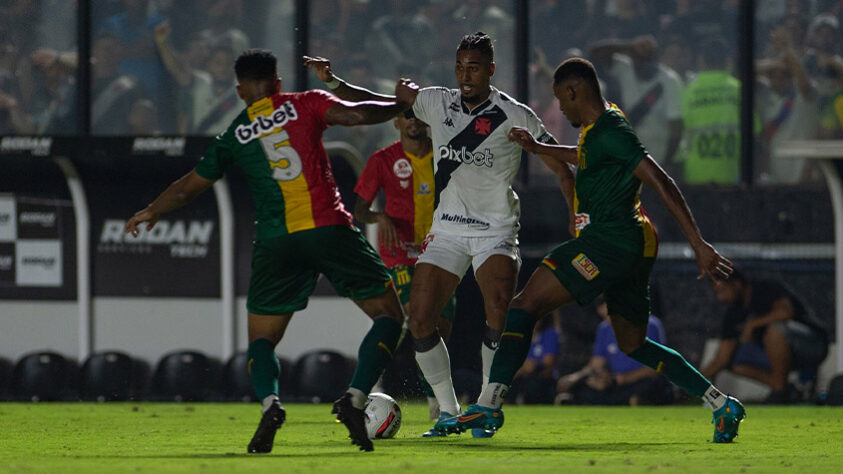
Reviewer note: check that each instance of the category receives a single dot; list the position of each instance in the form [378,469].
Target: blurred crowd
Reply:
[164,67]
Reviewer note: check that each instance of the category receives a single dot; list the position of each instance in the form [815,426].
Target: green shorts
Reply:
[402,275]
[285,268]
[587,266]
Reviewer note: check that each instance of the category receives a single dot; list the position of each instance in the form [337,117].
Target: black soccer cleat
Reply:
[355,420]
[271,421]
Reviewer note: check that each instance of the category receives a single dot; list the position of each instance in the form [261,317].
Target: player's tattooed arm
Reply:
[340,88]
[178,194]
[711,263]
[369,112]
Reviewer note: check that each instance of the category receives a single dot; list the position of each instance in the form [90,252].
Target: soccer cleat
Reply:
[445,425]
[727,419]
[355,420]
[476,416]
[481,433]
[271,421]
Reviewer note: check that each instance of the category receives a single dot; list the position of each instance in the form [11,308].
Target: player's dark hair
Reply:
[256,64]
[478,42]
[577,68]
[715,53]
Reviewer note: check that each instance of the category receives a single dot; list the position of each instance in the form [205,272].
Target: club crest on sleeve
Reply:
[585,266]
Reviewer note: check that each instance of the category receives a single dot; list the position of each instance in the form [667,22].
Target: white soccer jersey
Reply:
[474,161]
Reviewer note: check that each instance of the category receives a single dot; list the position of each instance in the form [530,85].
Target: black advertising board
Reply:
[37,224]
[179,257]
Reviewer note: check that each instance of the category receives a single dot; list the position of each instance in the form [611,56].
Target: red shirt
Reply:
[407,182]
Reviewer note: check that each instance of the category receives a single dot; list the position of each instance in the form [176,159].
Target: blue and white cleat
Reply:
[445,425]
[476,416]
[727,419]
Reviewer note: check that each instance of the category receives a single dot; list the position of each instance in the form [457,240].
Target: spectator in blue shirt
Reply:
[613,378]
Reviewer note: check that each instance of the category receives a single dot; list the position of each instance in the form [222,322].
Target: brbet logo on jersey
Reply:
[402,168]
[262,125]
[464,155]
[585,266]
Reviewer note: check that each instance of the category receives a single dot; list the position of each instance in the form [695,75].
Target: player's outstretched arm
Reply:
[343,90]
[558,158]
[179,193]
[711,264]
[369,112]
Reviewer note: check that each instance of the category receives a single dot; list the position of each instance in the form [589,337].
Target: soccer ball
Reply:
[383,416]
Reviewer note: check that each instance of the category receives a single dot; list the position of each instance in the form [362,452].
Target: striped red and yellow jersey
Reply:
[407,182]
[277,141]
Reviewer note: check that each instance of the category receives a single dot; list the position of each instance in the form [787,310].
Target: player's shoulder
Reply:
[511,105]
[438,91]
[308,95]
[388,152]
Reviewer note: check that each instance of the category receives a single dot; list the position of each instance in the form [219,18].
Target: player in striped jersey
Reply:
[476,211]
[302,229]
[404,171]
[613,252]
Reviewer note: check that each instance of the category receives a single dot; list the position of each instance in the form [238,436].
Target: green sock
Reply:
[514,346]
[672,365]
[375,353]
[264,368]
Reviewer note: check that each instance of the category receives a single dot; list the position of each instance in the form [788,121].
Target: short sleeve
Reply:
[602,341]
[536,127]
[425,102]
[655,330]
[317,102]
[217,158]
[370,180]
[622,145]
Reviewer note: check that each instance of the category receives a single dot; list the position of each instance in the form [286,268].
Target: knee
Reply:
[628,346]
[525,303]
[419,325]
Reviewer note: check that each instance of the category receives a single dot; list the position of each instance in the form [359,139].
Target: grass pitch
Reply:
[209,438]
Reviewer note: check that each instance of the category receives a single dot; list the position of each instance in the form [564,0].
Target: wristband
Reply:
[333,84]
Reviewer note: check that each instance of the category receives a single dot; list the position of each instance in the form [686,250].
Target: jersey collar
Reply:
[480,107]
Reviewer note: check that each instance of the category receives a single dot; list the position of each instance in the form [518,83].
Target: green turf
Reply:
[150,437]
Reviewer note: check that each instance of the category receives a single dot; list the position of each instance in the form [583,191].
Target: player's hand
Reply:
[151,218]
[523,138]
[406,91]
[713,265]
[321,66]
[387,233]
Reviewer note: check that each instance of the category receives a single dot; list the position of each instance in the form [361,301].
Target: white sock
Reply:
[486,355]
[436,367]
[267,402]
[358,398]
[713,398]
[492,396]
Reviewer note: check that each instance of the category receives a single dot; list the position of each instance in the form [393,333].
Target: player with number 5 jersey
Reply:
[302,229]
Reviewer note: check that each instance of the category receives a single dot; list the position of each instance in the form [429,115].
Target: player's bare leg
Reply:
[264,334]
[374,355]
[431,289]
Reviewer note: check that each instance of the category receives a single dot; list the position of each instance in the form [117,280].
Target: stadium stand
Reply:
[45,376]
[112,376]
[185,376]
[321,375]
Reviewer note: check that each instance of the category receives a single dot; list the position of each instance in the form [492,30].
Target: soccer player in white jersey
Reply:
[475,220]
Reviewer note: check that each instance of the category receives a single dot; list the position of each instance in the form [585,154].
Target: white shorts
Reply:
[455,253]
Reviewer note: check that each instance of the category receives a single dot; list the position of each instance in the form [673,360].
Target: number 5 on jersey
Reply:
[284,160]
